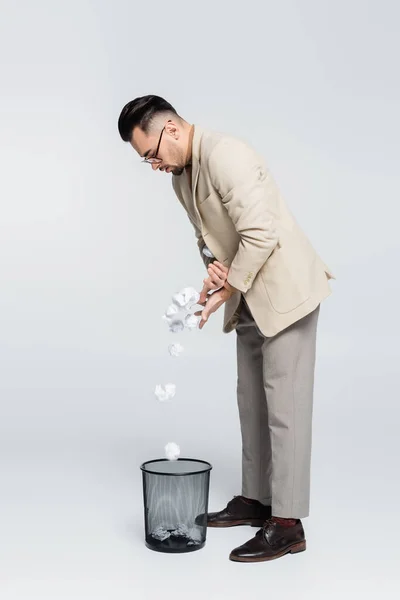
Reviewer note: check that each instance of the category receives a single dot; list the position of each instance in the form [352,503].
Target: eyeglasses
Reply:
[153,159]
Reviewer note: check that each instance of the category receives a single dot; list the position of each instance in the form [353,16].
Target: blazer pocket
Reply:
[215,216]
[202,200]
[287,287]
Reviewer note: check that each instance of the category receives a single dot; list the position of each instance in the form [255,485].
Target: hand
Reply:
[212,304]
[218,274]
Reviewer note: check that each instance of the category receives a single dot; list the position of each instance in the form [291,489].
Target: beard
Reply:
[178,163]
[177,171]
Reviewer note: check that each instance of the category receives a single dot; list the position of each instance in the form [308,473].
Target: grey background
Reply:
[93,244]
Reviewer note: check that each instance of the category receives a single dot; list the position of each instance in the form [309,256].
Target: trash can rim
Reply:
[208,466]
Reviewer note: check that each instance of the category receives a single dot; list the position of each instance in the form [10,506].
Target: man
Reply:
[271,283]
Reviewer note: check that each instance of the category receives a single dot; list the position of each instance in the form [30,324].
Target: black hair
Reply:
[140,113]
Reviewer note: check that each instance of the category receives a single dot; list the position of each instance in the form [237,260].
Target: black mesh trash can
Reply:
[175,504]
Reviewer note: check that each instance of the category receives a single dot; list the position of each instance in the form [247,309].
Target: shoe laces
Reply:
[267,523]
[233,501]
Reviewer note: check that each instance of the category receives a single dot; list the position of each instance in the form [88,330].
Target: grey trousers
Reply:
[275,400]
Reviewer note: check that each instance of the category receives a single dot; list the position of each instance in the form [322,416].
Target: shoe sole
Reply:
[300,547]
[252,523]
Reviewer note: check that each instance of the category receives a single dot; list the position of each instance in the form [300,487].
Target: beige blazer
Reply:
[236,209]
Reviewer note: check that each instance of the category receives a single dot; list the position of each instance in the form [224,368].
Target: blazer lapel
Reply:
[188,194]
[196,160]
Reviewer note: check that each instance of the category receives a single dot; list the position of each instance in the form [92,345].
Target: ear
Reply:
[172,129]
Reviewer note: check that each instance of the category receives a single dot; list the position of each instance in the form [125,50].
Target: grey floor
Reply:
[71,497]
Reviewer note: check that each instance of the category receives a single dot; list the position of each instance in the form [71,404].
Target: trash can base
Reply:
[175,549]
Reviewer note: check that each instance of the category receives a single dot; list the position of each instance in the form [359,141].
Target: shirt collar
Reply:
[189,151]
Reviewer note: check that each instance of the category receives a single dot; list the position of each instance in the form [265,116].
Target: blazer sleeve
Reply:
[200,240]
[200,243]
[239,176]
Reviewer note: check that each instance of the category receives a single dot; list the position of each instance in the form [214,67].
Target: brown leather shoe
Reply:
[239,511]
[272,541]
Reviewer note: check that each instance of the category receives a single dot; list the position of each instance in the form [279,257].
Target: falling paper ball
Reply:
[160,393]
[192,297]
[176,326]
[175,349]
[171,310]
[186,298]
[172,451]
[179,300]
[191,321]
[165,393]
[170,388]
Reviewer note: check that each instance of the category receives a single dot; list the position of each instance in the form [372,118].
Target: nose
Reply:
[154,166]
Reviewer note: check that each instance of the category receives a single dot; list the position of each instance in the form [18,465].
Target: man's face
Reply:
[172,147]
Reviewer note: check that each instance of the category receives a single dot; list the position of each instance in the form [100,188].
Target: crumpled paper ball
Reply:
[175,349]
[176,326]
[165,393]
[186,298]
[191,321]
[171,310]
[178,315]
[172,451]
[161,533]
